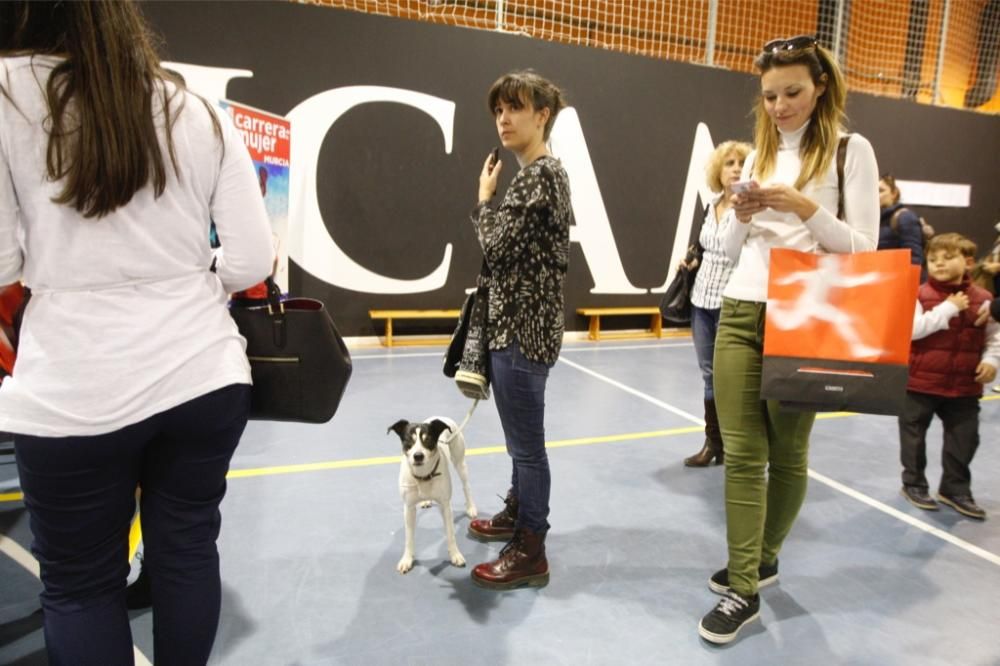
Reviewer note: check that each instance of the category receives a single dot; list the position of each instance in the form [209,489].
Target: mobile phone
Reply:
[741,186]
[494,157]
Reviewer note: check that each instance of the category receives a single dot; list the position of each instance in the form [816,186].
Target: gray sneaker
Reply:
[766,573]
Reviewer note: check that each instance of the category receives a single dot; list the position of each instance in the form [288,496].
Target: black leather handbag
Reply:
[675,306]
[298,360]
[467,357]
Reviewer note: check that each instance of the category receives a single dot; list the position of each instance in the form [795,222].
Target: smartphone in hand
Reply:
[494,157]
[741,186]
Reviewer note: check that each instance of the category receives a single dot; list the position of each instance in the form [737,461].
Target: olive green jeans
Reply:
[767,448]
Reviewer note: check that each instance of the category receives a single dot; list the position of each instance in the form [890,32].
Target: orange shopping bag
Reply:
[837,330]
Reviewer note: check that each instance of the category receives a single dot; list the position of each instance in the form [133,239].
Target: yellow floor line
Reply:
[480,451]
[134,537]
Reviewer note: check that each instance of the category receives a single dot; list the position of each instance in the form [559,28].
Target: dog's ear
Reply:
[399,427]
[436,427]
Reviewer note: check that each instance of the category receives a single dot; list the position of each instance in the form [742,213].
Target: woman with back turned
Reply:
[130,371]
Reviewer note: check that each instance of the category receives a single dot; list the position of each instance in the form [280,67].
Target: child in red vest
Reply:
[950,360]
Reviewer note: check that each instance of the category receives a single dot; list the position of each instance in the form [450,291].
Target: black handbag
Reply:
[675,306]
[298,360]
[467,357]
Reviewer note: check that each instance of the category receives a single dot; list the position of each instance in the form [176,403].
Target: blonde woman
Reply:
[791,203]
[724,168]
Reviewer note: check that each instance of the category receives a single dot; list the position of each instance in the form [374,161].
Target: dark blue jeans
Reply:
[80,494]
[704,326]
[519,391]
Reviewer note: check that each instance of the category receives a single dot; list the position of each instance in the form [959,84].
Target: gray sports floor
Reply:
[312,531]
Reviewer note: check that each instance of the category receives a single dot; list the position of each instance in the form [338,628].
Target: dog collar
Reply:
[434,472]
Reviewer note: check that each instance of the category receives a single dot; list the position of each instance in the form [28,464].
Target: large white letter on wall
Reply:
[309,243]
[210,82]
[592,230]
[695,188]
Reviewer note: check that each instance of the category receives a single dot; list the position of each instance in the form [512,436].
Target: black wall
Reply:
[399,198]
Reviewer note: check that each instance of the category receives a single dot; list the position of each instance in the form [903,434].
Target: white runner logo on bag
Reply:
[814,302]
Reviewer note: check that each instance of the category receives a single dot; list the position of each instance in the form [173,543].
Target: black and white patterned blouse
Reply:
[526,244]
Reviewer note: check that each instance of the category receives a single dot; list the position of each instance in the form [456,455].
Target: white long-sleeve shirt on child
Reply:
[936,319]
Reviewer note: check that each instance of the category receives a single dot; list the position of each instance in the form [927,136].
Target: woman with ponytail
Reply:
[792,202]
[130,371]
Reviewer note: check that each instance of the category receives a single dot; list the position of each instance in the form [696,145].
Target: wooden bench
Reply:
[389,315]
[595,314]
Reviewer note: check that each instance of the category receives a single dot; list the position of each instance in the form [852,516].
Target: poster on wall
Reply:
[268,138]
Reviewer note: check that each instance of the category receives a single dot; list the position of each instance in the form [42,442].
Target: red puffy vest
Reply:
[944,363]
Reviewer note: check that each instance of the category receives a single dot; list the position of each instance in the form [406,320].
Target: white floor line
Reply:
[908,519]
[836,485]
[565,350]
[639,394]
[16,552]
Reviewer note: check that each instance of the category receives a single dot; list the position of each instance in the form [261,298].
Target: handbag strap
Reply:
[485,277]
[274,304]
[276,313]
[841,160]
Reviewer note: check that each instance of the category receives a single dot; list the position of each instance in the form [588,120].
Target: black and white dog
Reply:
[424,477]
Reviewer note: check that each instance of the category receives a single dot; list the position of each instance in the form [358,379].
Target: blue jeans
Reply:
[519,391]
[704,327]
[80,494]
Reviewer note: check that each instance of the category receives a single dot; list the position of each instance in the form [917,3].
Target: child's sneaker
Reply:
[919,497]
[766,574]
[964,504]
[725,621]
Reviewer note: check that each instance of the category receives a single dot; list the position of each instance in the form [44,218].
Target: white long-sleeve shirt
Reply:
[926,322]
[125,318]
[749,245]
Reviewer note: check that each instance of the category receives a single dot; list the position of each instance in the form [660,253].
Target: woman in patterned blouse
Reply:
[724,168]
[525,240]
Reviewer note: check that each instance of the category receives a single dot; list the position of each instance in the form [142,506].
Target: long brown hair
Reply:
[103,141]
[819,143]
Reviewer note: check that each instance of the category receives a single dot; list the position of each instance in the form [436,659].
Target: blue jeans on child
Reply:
[80,494]
[519,391]
[704,326]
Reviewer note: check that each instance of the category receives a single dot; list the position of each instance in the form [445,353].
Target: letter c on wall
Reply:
[309,243]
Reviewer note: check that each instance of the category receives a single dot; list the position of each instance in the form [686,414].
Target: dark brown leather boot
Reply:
[712,449]
[501,526]
[521,563]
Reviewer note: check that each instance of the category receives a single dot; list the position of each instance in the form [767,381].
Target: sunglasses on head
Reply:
[791,44]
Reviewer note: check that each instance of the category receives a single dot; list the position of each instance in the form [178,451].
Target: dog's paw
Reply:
[471,511]
[457,559]
[406,563]
[426,505]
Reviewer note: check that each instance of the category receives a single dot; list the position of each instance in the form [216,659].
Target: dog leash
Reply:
[465,421]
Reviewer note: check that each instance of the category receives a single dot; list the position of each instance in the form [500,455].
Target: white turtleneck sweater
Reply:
[750,244]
